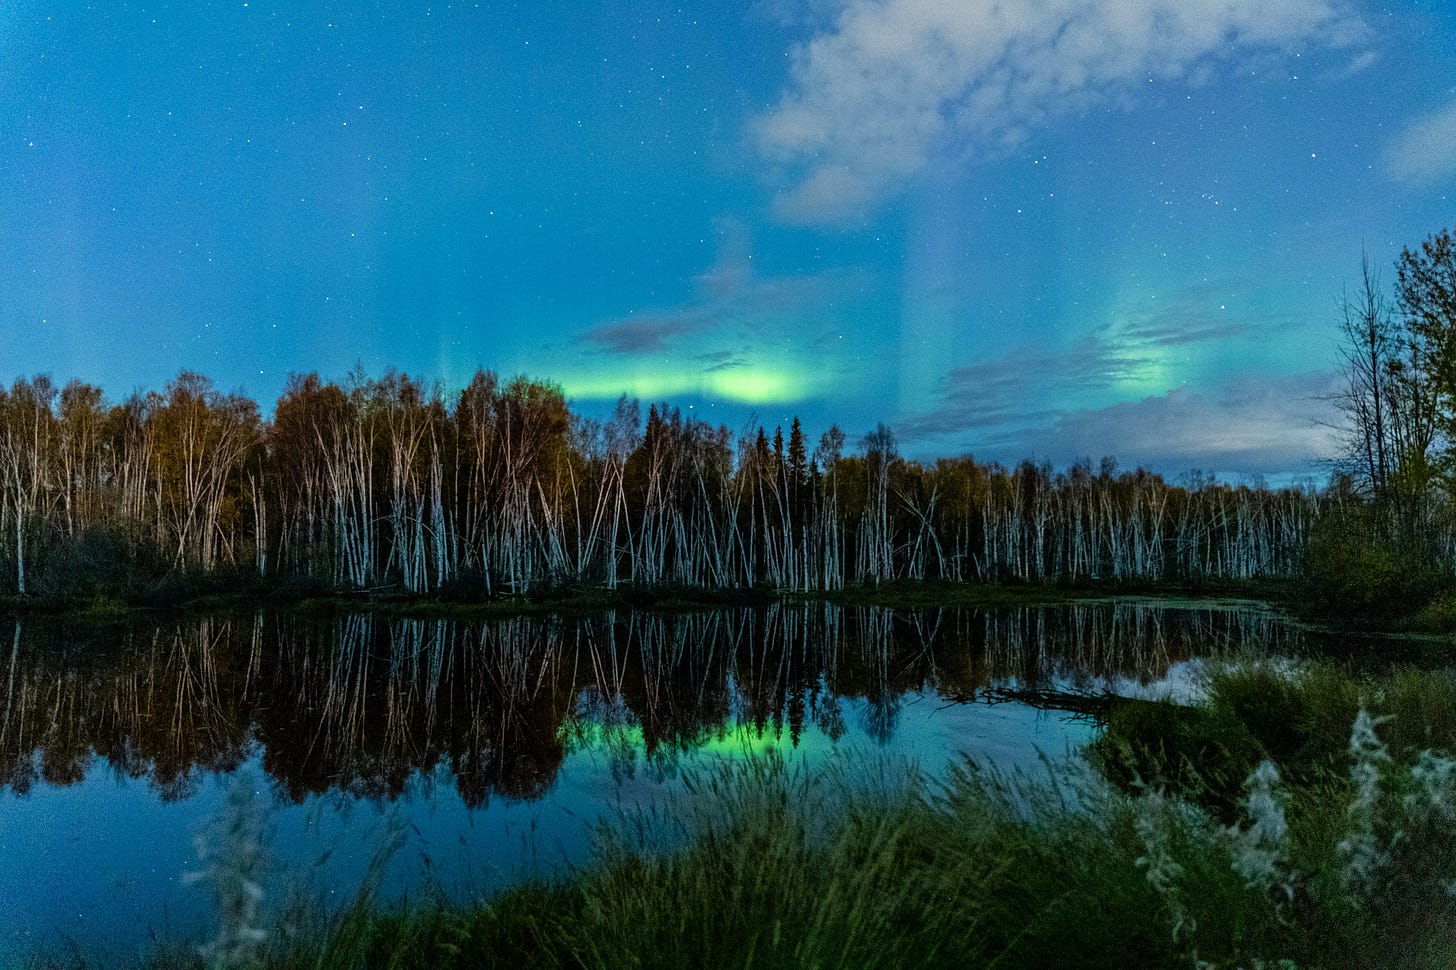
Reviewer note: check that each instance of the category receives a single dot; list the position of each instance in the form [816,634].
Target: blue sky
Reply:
[1028,229]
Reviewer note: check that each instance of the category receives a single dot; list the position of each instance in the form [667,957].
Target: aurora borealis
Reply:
[1027,229]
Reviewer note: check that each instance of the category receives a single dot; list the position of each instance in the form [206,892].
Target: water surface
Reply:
[492,748]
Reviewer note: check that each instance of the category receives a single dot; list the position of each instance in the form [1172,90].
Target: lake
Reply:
[489,750]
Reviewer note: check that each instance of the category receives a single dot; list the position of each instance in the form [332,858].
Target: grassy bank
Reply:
[912,594]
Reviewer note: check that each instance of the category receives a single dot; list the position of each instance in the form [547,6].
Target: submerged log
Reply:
[1095,706]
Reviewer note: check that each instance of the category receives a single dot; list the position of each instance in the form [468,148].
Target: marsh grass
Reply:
[1367,782]
[980,870]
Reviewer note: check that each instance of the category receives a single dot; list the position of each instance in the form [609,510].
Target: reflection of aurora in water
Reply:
[362,704]
[498,742]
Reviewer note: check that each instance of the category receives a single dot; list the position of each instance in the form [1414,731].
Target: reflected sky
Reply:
[493,748]
[105,891]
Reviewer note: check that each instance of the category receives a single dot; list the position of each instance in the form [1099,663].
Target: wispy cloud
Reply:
[797,13]
[1165,333]
[645,335]
[1425,152]
[1014,390]
[1195,313]
[722,360]
[1252,423]
[744,335]
[732,302]
[1140,389]
[896,83]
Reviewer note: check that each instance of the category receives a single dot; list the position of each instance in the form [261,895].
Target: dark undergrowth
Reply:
[194,592]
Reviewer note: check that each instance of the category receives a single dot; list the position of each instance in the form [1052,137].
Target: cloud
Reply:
[1425,152]
[1251,424]
[800,14]
[1036,382]
[896,83]
[1019,388]
[733,303]
[1254,424]
[1109,394]
[1165,334]
[644,335]
[745,307]
[722,360]
[742,336]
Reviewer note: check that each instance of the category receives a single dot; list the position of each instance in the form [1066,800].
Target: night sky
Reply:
[1038,228]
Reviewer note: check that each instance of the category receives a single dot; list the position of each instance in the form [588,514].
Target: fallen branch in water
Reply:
[1093,706]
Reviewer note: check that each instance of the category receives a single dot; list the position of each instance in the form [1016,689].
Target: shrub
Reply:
[96,562]
[1358,566]
[1160,744]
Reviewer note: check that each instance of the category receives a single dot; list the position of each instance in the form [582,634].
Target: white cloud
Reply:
[1426,151]
[1250,424]
[895,82]
[1253,424]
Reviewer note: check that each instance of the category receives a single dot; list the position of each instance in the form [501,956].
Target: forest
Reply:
[388,483]
[383,482]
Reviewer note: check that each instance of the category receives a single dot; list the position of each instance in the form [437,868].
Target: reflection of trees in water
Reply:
[519,692]
[1081,643]
[161,703]
[366,705]
[372,706]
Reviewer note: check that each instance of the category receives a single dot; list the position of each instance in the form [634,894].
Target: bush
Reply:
[1298,720]
[1421,705]
[97,562]
[1161,744]
[1359,567]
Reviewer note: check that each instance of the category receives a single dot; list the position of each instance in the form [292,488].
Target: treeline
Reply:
[502,489]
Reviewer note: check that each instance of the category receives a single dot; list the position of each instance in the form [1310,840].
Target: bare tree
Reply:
[27,445]
[1368,349]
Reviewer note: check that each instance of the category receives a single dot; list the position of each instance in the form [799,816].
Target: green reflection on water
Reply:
[732,739]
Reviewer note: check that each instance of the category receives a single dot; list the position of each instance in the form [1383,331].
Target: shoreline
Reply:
[393,601]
